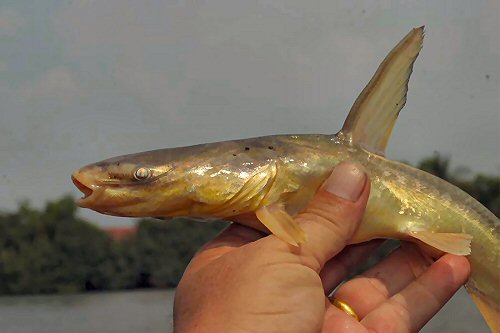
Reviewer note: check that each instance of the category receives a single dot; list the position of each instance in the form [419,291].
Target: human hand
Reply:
[245,281]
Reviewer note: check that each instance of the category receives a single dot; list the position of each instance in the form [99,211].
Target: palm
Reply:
[260,285]
[267,289]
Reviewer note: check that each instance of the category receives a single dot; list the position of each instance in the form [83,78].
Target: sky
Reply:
[81,81]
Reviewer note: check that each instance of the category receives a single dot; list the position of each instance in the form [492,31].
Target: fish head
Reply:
[208,180]
[135,185]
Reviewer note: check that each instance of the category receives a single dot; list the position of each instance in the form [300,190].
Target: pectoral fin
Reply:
[281,224]
[454,243]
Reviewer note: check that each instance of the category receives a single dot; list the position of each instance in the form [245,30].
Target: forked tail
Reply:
[490,314]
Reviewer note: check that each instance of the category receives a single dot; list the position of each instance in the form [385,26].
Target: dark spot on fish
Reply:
[247,148]
[487,76]
[271,147]
[397,104]
[234,154]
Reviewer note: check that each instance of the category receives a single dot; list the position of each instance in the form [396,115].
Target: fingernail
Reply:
[346,181]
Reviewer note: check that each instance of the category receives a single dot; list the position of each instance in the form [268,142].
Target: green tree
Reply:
[162,249]
[437,165]
[52,251]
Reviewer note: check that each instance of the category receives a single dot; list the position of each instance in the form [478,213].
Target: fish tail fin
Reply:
[490,314]
[374,113]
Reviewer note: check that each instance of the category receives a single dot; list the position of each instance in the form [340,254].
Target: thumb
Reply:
[333,215]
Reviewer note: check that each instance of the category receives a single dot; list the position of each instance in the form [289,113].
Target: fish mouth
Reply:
[89,194]
[87,191]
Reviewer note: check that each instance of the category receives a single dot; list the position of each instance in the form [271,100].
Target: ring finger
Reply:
[383,280]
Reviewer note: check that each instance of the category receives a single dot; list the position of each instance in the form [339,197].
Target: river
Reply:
[151,311]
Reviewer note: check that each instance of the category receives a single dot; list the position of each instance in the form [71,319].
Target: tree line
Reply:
[52,250]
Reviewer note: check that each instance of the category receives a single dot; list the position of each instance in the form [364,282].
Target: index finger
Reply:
[233,237]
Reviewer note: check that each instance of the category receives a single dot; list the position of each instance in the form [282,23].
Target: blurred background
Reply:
[84,80]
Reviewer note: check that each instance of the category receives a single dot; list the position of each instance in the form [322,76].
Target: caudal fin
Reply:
[490,314]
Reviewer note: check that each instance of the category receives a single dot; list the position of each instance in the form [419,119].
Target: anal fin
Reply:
[281,224]
[454,243]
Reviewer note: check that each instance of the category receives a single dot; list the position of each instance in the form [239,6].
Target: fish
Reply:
[273,178]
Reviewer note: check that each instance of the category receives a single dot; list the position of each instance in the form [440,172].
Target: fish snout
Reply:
[84,182]
[81,186]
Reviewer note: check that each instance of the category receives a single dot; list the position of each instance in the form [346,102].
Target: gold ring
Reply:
[344,307]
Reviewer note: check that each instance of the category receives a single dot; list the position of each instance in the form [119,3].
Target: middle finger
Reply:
[340,266]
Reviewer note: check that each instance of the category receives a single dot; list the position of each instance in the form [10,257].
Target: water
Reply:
[129,311]
[151,311]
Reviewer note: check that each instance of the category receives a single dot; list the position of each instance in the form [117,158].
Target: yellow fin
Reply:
[454,243]
[490,314]
[376,109]
[281,224]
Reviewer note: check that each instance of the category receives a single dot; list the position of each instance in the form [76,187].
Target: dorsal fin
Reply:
[373,115]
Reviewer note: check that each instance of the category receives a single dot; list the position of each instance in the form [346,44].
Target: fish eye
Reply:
[142,173]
